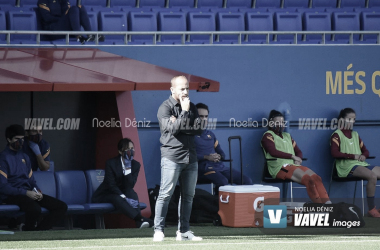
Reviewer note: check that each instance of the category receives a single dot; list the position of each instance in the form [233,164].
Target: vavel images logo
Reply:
[275,216]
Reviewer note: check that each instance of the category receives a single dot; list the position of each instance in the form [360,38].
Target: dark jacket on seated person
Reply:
[115,182]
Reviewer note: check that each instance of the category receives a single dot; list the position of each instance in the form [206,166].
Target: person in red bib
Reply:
[350,154]
[280,146]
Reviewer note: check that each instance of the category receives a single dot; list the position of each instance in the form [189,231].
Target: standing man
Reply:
[18,187]
[179,123]
[37,149]
[210,156]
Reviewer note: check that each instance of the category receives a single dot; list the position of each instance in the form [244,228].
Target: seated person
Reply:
[210,155]
[119,180]
[350,153]
[58,15]
[18,187]
[37,149]
[279,145]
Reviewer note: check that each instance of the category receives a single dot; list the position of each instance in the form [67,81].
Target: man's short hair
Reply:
[14,130]
[123,143]
[172,80]
[202,106]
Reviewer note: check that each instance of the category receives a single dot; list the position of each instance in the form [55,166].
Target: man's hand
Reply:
[362,158]
[213,157]
[185,103]
[173,119]
[297,160]
[33,195]
[356,157]
[35,148]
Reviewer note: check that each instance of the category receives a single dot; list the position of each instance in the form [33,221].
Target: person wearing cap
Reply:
[18,186]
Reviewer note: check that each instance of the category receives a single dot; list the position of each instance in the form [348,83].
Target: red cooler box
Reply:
[243,206]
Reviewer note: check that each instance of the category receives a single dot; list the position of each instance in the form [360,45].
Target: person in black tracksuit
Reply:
[117,188]
[58,15]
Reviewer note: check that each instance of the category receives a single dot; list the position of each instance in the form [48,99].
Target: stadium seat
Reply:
[230,22]
[123,3]
[287,22]
[93,16]
[296,3]
[171,21]
[46,182]
[94,178]
[352,3]
[210,5]
[72,189]
[239,4]
[3,26]
[345,22]
[259,22]
[25,20]
[152,3]
[113,21]
[94,5]
[324,3]
[139,21]
[181,3]
[317,22]
[370,22]
[7,5]
[373,4]
[268,4]
[201,21]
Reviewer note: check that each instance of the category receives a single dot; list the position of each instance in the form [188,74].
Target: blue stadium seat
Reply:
[287,22]
[370,22]
[352,3]
[93,16]
[123,3]
[210,3]
[201,21]
[373,4]
[230,22]
[113,21]
[324,3]
[7,5]
[140,21]
[345,22]
[239,4]
[181,3]
[268,4]
[317,22]
[25,20]
[94,5]
[3,26]
[259,22]
[46,182]
[152,3]
[171,21]
[72,189]
[296,3]
[94,178]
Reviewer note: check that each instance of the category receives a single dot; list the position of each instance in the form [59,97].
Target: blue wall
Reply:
[256,79]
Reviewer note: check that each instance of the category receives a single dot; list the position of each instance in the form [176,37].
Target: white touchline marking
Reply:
[203,244]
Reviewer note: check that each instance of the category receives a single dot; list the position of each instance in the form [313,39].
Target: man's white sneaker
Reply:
[189,235]
[158,236]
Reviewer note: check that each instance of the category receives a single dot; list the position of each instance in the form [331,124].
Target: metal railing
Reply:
[242,37]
